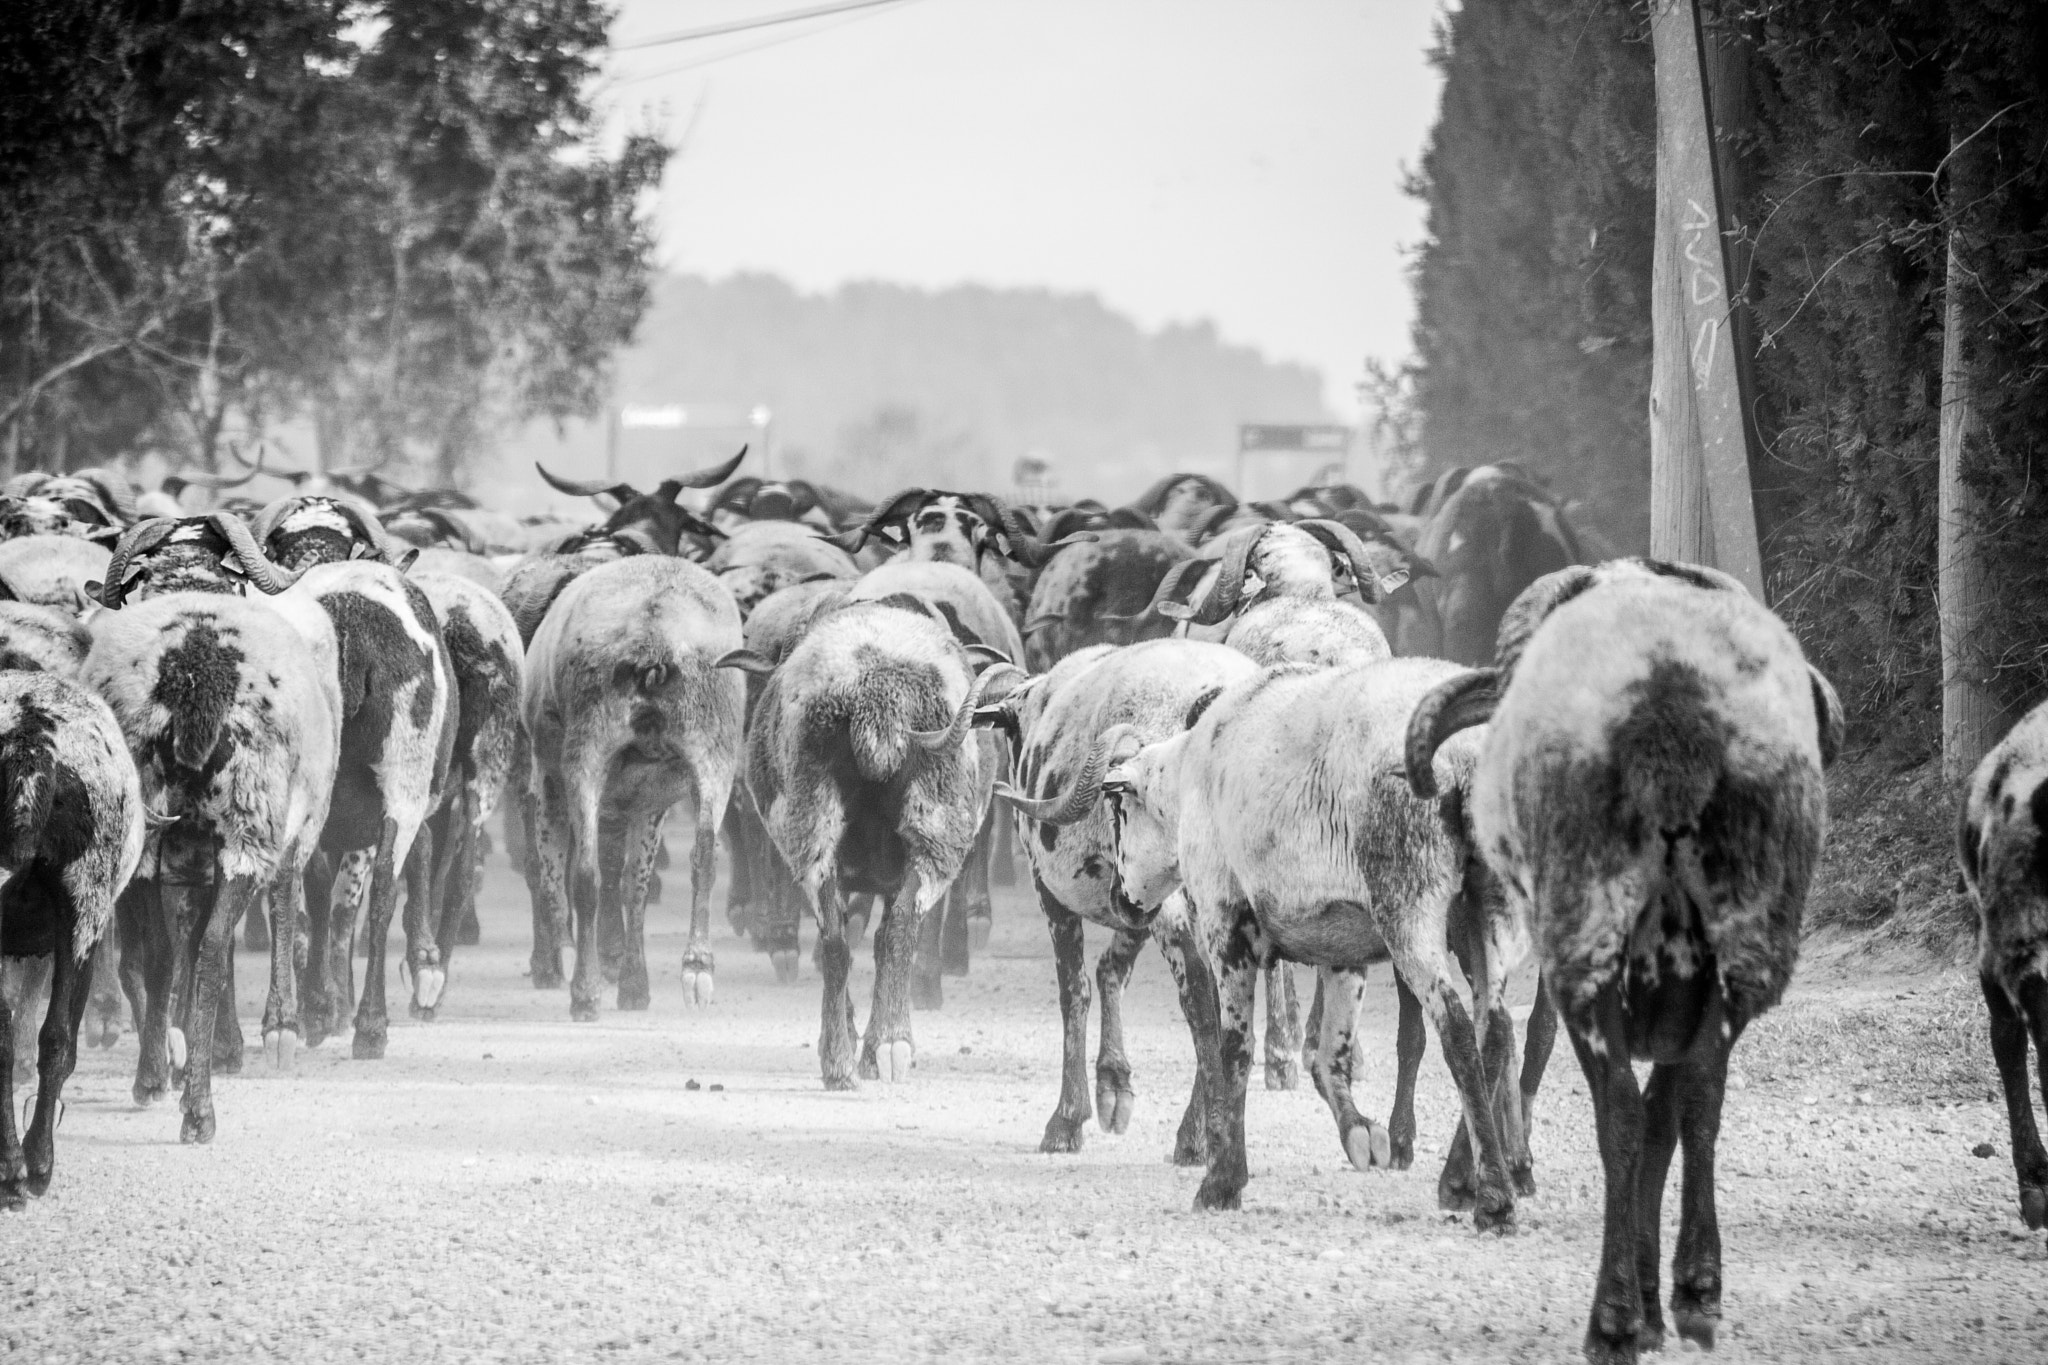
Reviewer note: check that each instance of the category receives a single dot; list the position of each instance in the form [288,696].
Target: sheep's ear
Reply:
[1827,711]
[746,661]
[1453,705]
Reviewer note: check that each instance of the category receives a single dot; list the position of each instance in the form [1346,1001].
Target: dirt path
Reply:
[507,1185]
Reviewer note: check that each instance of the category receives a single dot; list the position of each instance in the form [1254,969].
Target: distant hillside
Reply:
[876,386]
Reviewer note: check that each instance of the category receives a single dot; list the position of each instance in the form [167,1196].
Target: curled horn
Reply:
[932,741]
[247,553]
[1453,705]
[450,525]
[1082,796]
[138,539]
[894,509]
[1226,595]
[1181,578]
[1341,539]
[584,488]
[704,478]
[369,527]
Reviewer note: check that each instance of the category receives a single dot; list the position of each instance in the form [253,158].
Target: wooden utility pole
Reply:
[1700,503]
[1969,709]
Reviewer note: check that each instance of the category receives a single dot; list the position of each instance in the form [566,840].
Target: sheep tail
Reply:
[881,743]
[28,783]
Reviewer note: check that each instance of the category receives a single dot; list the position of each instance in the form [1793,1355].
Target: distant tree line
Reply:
[876,386]
[389,216]
[1862,141]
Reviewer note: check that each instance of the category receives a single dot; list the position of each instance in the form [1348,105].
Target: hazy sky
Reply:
[1232,159]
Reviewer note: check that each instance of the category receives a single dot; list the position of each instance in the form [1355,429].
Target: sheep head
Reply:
[953,528]
[213,553]
[301,530]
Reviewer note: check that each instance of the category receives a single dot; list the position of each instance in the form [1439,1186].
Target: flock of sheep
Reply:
[1317,732]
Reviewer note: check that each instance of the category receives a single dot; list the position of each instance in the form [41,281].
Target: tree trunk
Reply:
[1969,709]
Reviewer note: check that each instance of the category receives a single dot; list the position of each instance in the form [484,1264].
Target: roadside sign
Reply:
[1274,459]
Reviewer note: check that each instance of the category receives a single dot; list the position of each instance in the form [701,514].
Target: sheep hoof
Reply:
[281,1051]
[1696,1314]
[147,1093]
[633,995]
[1283,1075]
[1401,1154]
[582,1011]
[177,1049]
[1524,1179]
[856,929]
[978,927]
[12,1200]
[1113,1107]
[893,1060]
[470,933]
[1494,1216]
[1367,1146]
[227,1058]
[427,985]
[1061,1135]
[841,1083]
[368,1045]
[197,1126]
[926,991]
[697,986]
[2034,1206]
[104,1031]
[1454,1196]
[547,976]
[1218,1196]
[786,965]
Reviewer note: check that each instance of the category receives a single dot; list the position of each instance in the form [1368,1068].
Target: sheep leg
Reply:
[145,929]
[104,1007]
[641,839]
[969,911]
[26,980]
[256,934]
[699,966]
[586,982]
[1420,956]
[1479,953]
[611,923]
[860,909]
[12,1197]
[781,935]
[1538,1037]
[835,959]
[136,925]
[927,990]
[2009,1051]
[281,1025]
[1230,1062]
[1340,993]
[227,1041]
[1283,1029]
[317,1010]
[457,897]
[887,1050]
[1696,1259]
[1197,987]
[544,889]
[1114,1098]
[739,897]
[372,1021]
[1411,1042]
[422,946]
[1063,1131]
[216,942]
[57,1051]
[1617,1314]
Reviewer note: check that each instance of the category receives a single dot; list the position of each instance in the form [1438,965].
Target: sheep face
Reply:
[318,531]
[42,516]
[1185,505]
[1144,810]
[191,559]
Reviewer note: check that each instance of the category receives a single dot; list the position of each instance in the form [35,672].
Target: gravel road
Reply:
[507,1185]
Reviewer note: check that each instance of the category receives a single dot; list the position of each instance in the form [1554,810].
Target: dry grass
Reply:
[1912,1039]
[1889,868]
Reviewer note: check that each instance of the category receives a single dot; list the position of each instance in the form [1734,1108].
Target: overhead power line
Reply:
[690,35]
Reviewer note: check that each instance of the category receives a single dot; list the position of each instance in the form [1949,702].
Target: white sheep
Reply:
[1650,793]
[71,832]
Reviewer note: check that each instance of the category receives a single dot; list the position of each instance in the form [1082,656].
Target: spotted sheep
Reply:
[980,533]
[627,716]
[233,719]
[71,834]
[1099,593]
[863,765]
[762,557]
[2004,858]
[1282,812]
[399,720]
[1055,721]
[1649,791]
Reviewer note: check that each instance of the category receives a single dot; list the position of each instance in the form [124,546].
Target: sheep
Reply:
[1650,794]
[1282,813]
[1179,503]
[979,622]
[1490,532]
[52,570]
[932,526]
[642,523]
[627,717]
[71,831]
[1054,721]
[489,666]
[760,557]
[399,721]
[233,717]
[1099,593]
[2004,861]
[859,795]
